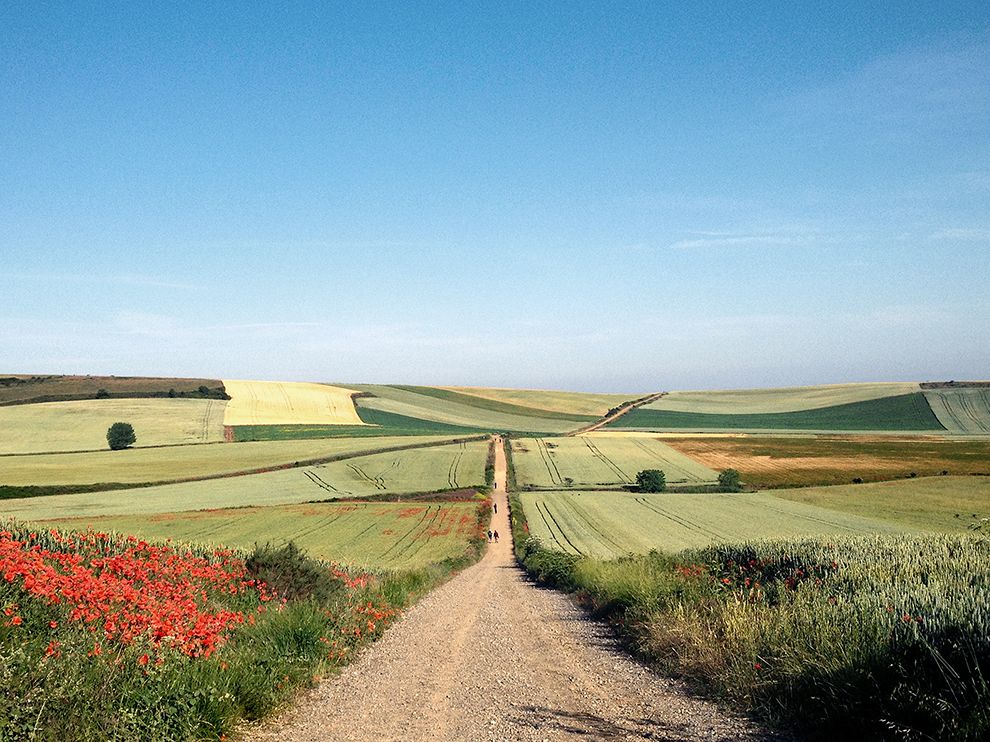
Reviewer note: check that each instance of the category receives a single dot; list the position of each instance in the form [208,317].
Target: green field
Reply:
[902,412]
[612,524]
[965,410]
[417,470]
[599,460]
[378,424]
[570,403]
[370,535]
[950,504]
[137,465]
[82,425]
[784,399]
[466,411]
[25,388]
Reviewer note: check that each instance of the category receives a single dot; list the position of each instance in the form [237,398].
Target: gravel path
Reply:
[489,657]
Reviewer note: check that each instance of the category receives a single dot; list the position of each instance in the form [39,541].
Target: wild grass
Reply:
[287,621]
[883,637]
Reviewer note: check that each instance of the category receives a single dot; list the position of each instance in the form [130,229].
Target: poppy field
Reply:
[108,637]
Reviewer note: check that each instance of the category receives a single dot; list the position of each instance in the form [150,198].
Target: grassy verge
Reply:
[870,637]
[111,638]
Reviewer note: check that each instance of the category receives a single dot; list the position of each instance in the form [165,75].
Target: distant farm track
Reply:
[618,413]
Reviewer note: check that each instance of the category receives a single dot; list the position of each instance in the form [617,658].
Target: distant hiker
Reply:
[495,507]
[489,537]
[495,534]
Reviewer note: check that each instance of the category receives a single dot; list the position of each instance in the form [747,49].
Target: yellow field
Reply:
[137,465]
[288,403]
[575,403]
[789,399]
[82,425]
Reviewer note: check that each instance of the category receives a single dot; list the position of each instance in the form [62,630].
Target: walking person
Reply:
[489,537]
[495,534]
[495,507]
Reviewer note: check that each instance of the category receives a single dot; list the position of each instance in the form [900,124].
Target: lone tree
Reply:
[651,480]
[728,481]
[120,435]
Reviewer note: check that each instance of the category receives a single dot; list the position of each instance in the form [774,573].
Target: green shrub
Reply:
[120,436]
[729,481]
[651,480]
[292,574]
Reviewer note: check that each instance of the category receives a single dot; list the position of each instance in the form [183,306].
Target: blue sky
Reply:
[626,196]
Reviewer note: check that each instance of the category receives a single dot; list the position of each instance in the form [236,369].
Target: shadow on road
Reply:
[591,726]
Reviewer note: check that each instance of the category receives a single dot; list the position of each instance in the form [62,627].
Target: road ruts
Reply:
[490,657]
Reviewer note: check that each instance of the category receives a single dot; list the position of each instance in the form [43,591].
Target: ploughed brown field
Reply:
[22,388]
[780,461]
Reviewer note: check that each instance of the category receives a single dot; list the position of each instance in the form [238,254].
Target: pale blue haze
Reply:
[600,196]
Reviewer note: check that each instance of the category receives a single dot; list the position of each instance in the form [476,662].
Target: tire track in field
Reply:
[541,510]
[864,528]
[321,523]
[595,451]
[549,514]
[681,520]
[594,528]
[548,461]
[362,474]
[454,463]
[421,537]
[204,433]
[403,537]
[316,479]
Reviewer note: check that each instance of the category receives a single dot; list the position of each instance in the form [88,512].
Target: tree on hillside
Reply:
[121,435]
[651,480]
[728,481]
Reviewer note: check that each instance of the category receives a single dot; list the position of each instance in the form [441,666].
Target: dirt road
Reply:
[489,657]
[617,414]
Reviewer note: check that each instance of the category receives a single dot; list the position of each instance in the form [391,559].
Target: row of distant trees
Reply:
[654,480]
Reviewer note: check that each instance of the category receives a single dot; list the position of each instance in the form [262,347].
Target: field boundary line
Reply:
[623,409]
[113,486]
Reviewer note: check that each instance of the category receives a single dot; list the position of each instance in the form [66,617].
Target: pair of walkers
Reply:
[493,535]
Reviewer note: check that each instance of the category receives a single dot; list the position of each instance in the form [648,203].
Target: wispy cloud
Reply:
[165,326]
[961,234]
[710,241]
[907,92]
